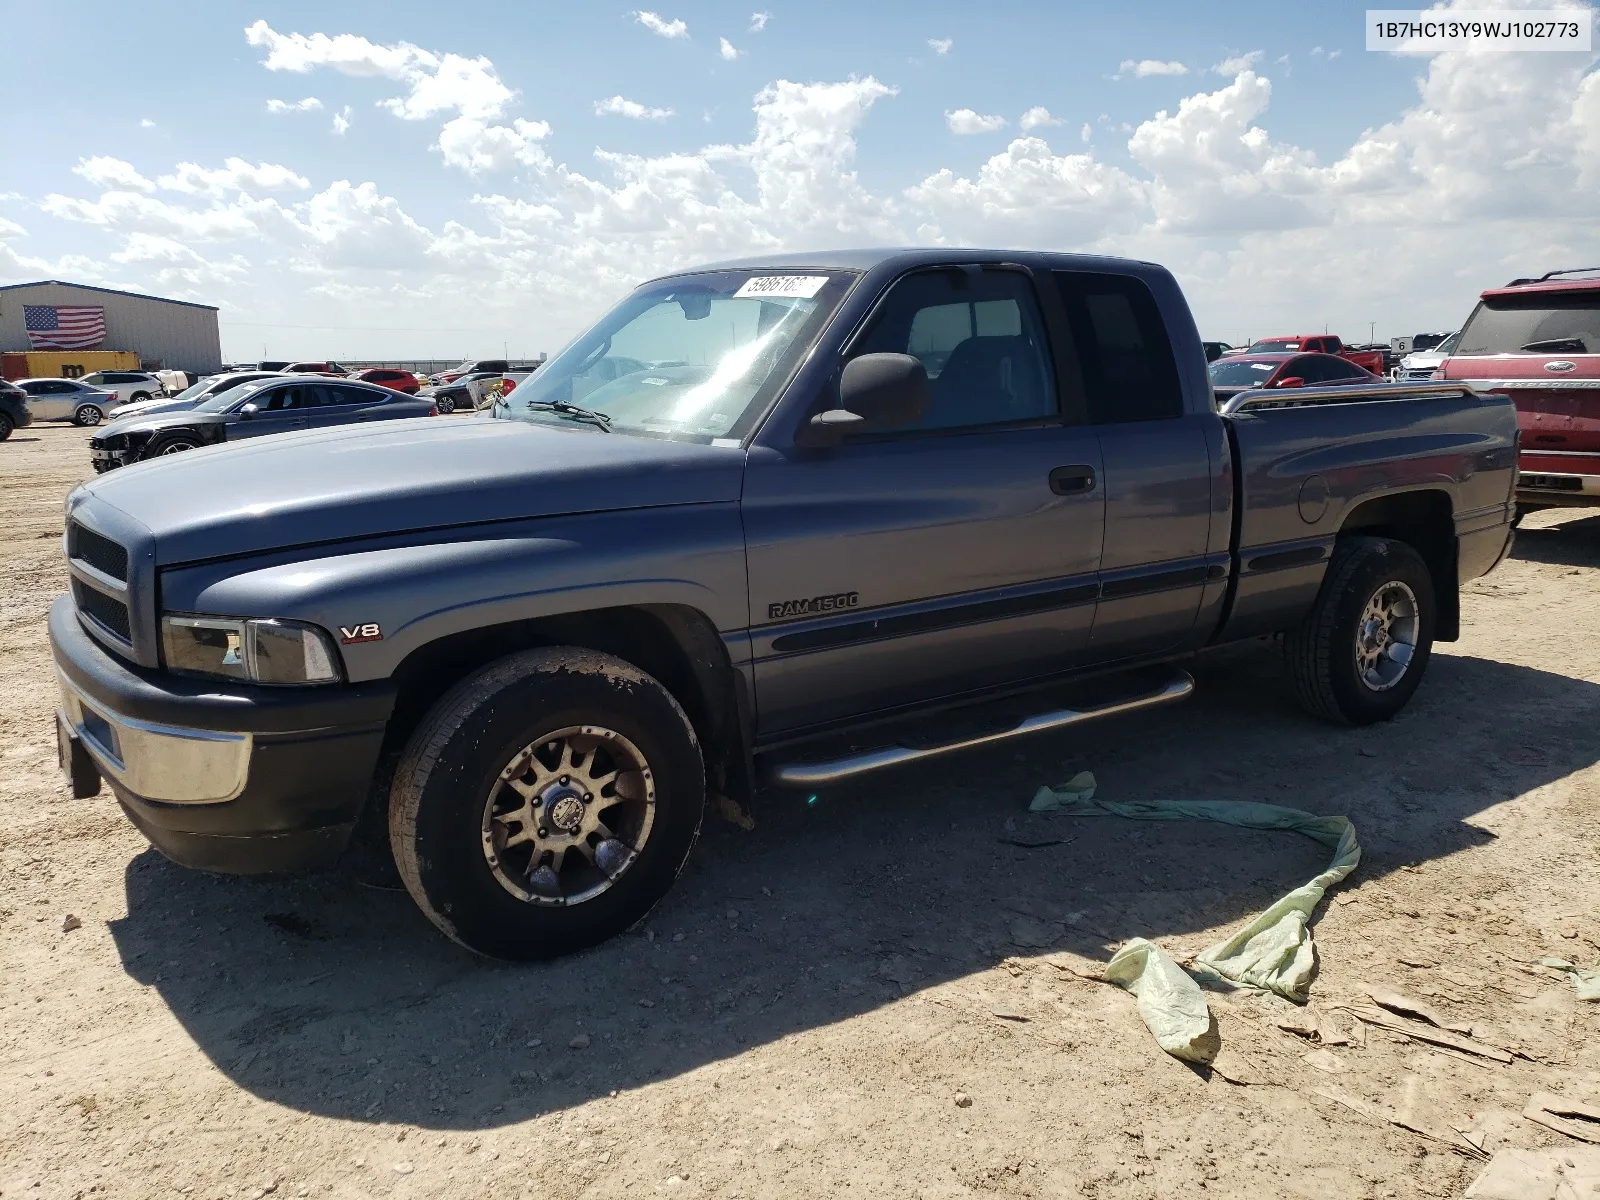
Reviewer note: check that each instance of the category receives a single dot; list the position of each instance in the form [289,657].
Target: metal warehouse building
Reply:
[172,334]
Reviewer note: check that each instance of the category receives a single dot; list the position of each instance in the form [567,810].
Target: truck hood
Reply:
[299,489]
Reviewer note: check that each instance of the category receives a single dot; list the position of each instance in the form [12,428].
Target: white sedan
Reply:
[68,400]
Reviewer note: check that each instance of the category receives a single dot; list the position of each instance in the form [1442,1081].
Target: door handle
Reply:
[1072,481]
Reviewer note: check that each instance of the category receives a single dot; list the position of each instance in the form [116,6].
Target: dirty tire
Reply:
[87,415]
[450,764]
[1320,654]
[6,426]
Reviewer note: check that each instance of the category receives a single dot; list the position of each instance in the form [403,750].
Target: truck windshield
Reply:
[1275,346]
[1241,372]
[694,358]
[1536,324]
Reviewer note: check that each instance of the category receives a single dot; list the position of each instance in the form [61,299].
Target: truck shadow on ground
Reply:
[342,1001]
[1564,537]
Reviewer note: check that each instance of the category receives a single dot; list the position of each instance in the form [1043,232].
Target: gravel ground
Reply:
[812,1012]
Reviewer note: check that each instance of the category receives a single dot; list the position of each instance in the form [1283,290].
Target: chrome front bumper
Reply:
[163,763]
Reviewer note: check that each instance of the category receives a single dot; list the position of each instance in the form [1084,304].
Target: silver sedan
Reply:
[68,400]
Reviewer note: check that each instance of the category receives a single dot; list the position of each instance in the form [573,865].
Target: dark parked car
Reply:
[1241,372]
[14,412]
[271,405]
[527,647]
[459,393]
[1215,350]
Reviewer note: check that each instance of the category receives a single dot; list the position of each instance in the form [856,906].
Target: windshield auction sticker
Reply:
[792,287]
[1414,31]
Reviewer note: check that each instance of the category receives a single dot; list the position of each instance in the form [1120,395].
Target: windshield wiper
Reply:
[573,411]
[1563,345]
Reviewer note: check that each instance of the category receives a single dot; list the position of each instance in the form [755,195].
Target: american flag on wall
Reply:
[64,326]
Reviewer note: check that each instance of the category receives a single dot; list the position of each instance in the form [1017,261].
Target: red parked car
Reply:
[1321,343]
[1240,372]
[400,381]
[1538,341]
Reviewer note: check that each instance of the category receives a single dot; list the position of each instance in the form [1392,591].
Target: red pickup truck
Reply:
[1538,341]
[1321,343]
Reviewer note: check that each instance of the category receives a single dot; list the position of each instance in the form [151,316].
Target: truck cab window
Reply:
[1128,370]
[981,339]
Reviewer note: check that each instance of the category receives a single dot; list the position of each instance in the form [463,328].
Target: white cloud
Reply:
[1330,55]
[964,121]
[618,106]
[728,50]
[941,46]
[1147,67]
[437,83]
[758,21]
[146,123]
[1086,133]
[474,146]
[658,24]
[1232,65]
[341,121]
[309,104]
[113,173]
[235,175]
[1037,117]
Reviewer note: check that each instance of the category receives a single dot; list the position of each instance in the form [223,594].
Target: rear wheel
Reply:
[546,803]
[88,414]
[1362,651]
[6,426]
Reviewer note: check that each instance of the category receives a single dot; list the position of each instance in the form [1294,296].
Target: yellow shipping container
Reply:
[66,364]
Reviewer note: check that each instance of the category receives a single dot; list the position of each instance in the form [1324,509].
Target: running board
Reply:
[811,775]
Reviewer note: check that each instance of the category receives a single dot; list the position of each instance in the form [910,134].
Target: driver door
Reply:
[278,410]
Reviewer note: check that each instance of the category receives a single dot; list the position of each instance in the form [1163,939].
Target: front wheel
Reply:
[6,426]
[140,397]
[173,445]
[87,415]
[445,404]
[546,803]
[1362,651]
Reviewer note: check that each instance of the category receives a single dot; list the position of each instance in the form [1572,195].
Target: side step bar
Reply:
[809,775]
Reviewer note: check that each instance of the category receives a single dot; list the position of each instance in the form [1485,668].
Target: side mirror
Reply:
[876,391]
[247,412]
[1290,381]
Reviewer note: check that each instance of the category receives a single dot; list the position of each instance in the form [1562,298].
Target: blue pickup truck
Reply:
[755,506]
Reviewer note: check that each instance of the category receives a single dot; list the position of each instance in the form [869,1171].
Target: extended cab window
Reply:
[1128,370]
[980,338]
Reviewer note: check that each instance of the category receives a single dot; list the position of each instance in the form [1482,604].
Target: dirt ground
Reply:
[802,1015]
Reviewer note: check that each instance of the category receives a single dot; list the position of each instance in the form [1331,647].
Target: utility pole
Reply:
[1372,327]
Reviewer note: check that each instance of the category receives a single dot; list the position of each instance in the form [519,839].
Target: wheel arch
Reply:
[675,643]
[1423,519]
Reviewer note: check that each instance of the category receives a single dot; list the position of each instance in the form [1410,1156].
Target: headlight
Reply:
[260,651]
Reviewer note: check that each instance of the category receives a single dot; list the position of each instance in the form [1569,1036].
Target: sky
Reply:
[399,179]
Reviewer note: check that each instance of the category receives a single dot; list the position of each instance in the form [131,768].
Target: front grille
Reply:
[99,552]
[103,610]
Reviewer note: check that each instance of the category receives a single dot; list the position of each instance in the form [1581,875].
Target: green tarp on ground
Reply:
[1273,952]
